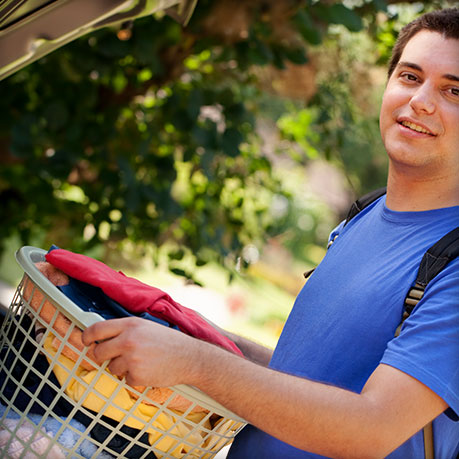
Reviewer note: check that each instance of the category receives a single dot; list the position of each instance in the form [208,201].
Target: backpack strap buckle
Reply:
[414,296]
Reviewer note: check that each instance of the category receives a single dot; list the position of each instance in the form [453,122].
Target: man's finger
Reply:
[107,350]
[101,331]
[117,367]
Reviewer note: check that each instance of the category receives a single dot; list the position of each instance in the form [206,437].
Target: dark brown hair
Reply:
[445,22]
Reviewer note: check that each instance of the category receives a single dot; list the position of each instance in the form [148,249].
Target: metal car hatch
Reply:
[30,29]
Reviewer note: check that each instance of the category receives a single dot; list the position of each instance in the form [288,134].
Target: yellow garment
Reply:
[106,385]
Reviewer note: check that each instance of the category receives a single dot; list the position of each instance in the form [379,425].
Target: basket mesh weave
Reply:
[56,402]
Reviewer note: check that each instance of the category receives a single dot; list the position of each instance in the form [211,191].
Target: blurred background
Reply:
[211,160]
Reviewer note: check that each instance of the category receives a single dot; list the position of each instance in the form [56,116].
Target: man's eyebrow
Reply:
[451,77]
[410,65]
[413,66]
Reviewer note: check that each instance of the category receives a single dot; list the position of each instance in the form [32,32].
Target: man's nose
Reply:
[423,100]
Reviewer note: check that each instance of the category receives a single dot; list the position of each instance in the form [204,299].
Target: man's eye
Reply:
[455,91]
[409,76]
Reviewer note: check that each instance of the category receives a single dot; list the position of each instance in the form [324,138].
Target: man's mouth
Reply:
[415,127]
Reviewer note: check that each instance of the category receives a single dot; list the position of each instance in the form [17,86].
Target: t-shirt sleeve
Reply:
[428,345]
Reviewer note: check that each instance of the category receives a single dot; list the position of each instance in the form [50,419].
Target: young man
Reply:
[339,384]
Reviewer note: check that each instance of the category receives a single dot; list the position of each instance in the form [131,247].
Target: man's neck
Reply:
[413,192]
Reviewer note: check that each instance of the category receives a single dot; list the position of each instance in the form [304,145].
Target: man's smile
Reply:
[415,127]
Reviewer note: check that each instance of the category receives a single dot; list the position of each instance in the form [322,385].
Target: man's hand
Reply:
[145,353]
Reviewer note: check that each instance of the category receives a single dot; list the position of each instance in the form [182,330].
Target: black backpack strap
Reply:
[433,261]
[438,256]
[363,202]
[358,206]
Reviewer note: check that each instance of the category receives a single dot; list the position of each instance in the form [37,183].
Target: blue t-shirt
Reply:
[343,322]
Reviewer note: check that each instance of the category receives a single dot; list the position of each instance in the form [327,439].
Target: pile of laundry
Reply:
[52,395]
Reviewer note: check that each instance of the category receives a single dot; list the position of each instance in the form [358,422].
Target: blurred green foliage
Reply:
[153,139]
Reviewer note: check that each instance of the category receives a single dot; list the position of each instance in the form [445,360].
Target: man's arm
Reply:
[255,352]
[251,350]
[312,416]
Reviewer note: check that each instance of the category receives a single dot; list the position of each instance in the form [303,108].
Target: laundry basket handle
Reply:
[27,256]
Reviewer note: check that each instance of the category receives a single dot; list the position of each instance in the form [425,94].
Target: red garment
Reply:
[136,296]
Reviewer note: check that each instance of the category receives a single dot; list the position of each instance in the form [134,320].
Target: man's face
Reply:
[419,117]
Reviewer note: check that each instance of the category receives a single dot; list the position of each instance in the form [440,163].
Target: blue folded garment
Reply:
[93,299]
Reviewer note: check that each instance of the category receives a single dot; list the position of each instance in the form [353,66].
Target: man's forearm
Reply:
[312,416]
[289,408]
[252,351]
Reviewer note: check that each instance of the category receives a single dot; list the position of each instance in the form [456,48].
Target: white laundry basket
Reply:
[56,402]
